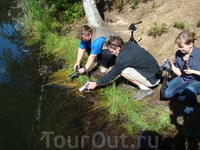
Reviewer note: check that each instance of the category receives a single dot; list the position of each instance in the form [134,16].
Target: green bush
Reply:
[119,4]
[66,10]
[134,3]
[198,23]
[157,30]
[73,13]
[179,24]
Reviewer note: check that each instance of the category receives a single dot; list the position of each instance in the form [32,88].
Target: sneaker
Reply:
[188,110]
[131,87]
[103,69]
[181,98]
[142,93]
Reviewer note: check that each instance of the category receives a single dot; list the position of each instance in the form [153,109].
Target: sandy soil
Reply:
[160,11]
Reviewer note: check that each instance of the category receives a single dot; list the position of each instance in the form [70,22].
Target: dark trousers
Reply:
[105,58]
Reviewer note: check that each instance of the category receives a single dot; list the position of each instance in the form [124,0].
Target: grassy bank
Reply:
[57,41]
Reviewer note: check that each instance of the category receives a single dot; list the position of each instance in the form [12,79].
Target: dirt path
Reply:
[160,11]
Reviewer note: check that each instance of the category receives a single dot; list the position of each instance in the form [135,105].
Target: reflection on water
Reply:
[27,110]
[50,117]
[9,35]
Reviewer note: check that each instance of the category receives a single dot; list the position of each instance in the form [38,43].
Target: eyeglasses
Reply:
[114,45]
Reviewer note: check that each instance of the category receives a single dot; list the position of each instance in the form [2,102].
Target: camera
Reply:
[75,74]
[84,87]
[166,66]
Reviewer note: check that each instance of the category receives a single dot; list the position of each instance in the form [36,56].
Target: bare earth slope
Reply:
[161,11]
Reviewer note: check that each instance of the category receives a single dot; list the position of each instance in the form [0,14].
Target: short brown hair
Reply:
[115,41]
[84,30]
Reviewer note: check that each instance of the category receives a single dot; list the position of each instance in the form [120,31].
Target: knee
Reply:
[168,94]
[190,90]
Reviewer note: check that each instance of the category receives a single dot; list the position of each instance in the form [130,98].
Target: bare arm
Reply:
[88,63]
[190,71]
[176,70]
[79,57]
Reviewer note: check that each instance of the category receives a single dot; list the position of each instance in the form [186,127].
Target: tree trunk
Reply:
[92,13]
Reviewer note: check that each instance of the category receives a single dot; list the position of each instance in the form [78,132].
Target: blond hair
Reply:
[187,36]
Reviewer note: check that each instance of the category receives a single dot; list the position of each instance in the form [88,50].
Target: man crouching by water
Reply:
[134,63]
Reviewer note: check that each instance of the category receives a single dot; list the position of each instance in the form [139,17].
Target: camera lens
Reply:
[75,74]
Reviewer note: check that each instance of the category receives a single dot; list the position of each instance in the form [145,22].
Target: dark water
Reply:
[8,27]
[38,117]
[28,109]
[34,116]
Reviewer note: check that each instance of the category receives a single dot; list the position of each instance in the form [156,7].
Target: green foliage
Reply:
[61,47]
[157,30]
[67,10]
[32,7]
[44,31]
[179,24]
[134,3]
[154,5]
[198,23]
[134,113]
[119,4]
[73,13]
[37,14]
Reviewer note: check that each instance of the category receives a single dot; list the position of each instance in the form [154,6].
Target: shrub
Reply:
[198,23]
[134,3]
[179,24]
[158,30]
[119,4]
[67,10]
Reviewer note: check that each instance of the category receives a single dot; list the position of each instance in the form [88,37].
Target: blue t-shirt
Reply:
[193,63]
[96,46]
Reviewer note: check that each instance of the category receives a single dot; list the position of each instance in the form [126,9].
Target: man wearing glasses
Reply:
[134,63]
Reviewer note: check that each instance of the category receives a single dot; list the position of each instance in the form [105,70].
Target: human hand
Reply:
[77,65]
[81,70]
[189,71]
[91,85]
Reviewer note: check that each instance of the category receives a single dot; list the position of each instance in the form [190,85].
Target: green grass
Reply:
[134,3]
[179,24]
[138,115]
[44,30]
[158,30]
[198,23]
[119,4]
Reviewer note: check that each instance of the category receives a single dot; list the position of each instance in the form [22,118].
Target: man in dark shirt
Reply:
[134,63]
